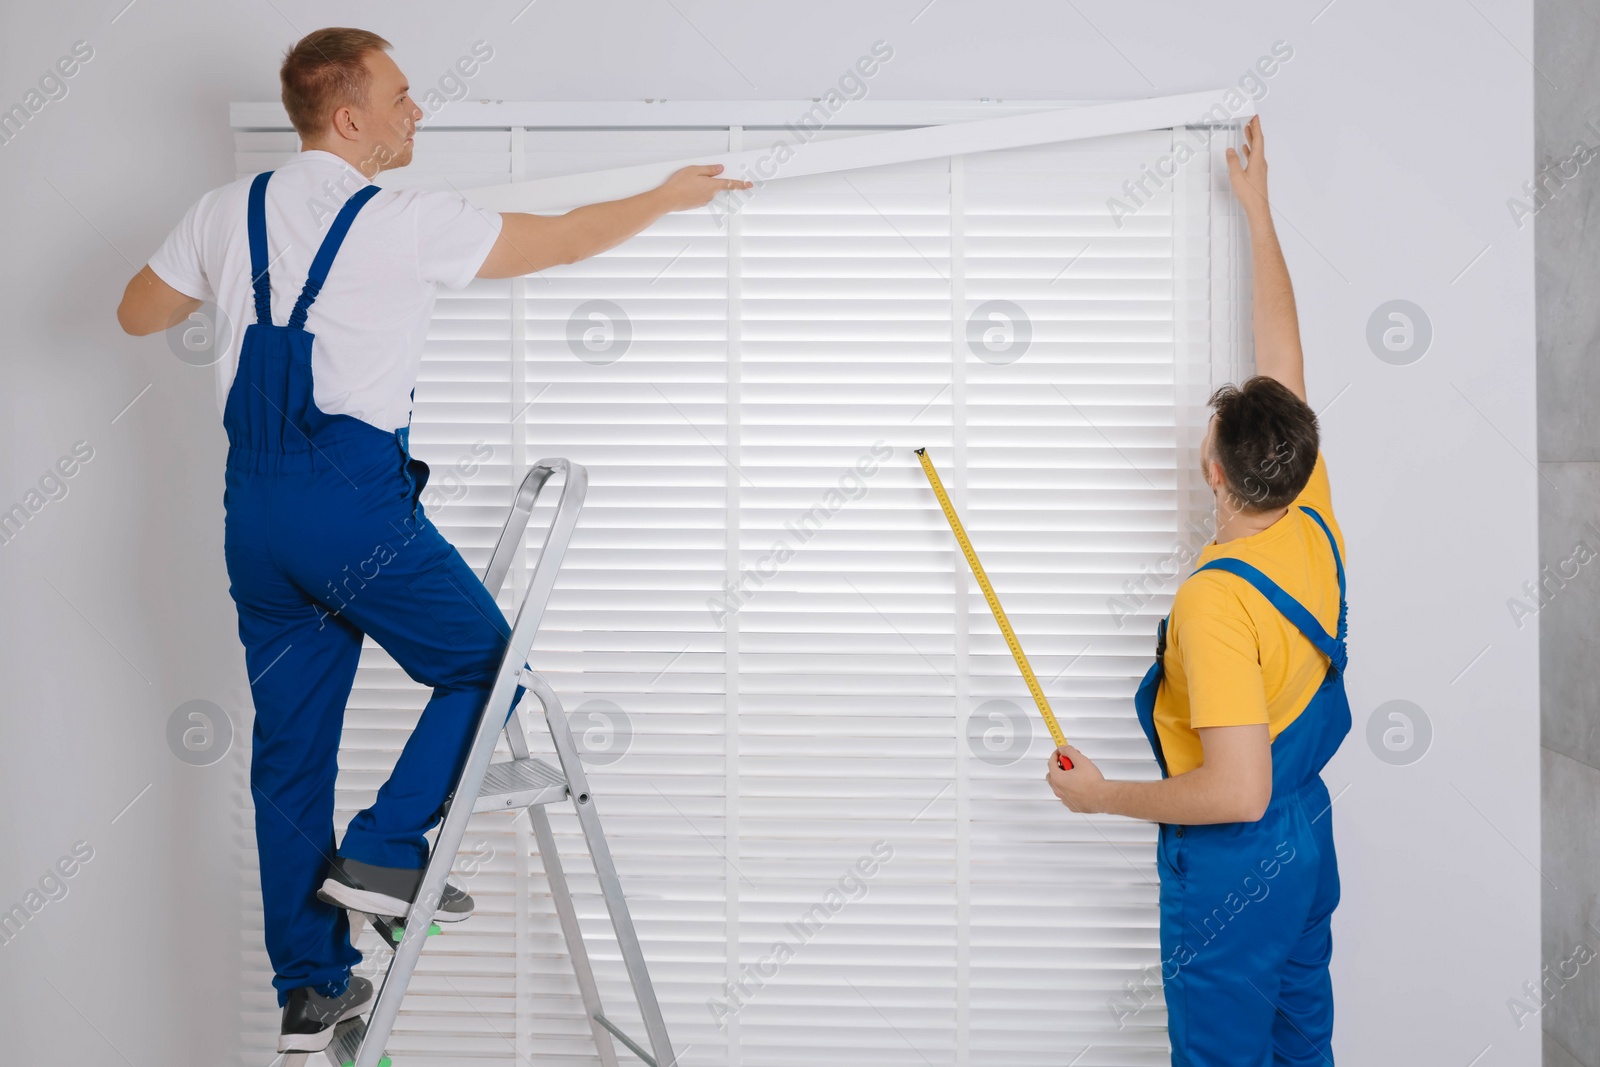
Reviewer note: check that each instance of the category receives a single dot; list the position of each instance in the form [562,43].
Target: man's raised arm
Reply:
[1277,327]
[531,243]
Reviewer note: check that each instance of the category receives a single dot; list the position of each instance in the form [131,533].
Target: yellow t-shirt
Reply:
[1232,658]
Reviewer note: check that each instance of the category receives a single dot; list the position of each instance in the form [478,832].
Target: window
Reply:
[818,767]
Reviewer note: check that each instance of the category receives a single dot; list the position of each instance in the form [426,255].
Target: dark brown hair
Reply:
[1266,439]
[324,71]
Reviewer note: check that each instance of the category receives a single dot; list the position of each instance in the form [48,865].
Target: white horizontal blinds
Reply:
[845,623]
[550,153]
[834,840]
[1070,449]
[1212,300]
[627,374]
[1191,304]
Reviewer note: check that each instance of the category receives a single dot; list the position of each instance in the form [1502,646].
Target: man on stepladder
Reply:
[325,536]
[1244,706]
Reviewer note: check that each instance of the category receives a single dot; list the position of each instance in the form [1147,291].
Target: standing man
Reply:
[325,536]
[1243,707]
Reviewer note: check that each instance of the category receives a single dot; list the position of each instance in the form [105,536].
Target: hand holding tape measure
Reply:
[994,606]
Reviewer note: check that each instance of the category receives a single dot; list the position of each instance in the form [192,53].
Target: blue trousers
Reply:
[1246,908]
[321,550]
[1246,937]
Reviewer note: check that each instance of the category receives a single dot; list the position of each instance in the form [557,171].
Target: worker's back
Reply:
[1232,658]
[371,318]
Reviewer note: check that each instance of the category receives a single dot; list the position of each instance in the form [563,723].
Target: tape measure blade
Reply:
[993,599]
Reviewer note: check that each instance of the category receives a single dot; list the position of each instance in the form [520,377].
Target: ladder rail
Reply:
[605,869]
[505,548]
[494,572]
[572,933]
[557,537]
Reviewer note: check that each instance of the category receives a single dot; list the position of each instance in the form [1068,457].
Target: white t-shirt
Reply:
[371,318]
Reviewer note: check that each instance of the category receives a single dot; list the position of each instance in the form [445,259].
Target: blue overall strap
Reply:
[324,258]
[1338,565]
[256,225]
[1292,609]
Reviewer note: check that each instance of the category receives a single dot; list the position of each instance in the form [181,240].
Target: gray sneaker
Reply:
[386,891]
[309,1017]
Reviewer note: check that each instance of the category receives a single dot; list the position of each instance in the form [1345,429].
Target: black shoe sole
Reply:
[368,902]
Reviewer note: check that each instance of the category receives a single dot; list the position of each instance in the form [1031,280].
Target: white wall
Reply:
[1396,134]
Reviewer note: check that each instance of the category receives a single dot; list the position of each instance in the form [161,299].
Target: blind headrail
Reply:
[807,157]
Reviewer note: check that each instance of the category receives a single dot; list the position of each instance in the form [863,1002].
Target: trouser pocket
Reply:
[1169,851]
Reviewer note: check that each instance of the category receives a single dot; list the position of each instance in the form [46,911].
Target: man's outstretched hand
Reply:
[694,186]
[530,243]
[1249,176]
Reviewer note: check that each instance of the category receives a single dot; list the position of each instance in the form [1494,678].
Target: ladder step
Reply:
[390,929]
[518,783]
[347,1038]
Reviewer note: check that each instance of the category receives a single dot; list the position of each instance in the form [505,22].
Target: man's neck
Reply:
[1231,525]
[350,154]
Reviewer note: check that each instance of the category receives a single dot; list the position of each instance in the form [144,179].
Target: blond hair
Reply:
[323,72]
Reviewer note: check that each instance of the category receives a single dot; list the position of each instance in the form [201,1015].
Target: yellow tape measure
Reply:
[994,604]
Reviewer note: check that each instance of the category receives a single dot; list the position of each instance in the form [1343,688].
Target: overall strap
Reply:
[256,226]
[324,258]
[1337,563]
[1292,609]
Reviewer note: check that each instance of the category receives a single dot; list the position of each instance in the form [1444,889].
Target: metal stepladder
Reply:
[522,782]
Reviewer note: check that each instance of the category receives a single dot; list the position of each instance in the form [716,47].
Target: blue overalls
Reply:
[1245,907]
[325,541]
